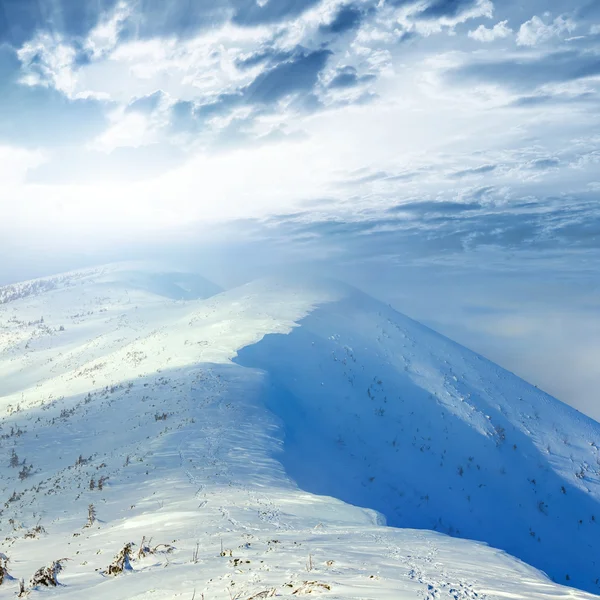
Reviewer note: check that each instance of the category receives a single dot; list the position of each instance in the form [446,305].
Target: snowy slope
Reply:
[266,423]
[434,436]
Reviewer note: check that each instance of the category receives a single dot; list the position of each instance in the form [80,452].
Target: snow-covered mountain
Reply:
[265,434]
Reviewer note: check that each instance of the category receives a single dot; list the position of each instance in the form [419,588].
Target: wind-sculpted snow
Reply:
[384,413]
[123,418]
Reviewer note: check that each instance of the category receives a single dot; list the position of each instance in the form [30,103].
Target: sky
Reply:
[442,154]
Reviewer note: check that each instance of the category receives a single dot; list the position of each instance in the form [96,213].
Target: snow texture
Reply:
[264,436]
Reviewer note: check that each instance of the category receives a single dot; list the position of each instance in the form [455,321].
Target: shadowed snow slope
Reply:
[382,412]
[262,432]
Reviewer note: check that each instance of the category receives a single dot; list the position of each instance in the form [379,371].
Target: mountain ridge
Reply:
[221,416]
[517,427]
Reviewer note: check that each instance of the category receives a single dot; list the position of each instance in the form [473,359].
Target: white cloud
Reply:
[104,37]
[498,31]
[48,61]
[409,18]
[535,31]
[205,65]
[185,69]
[419,113]
[127,130]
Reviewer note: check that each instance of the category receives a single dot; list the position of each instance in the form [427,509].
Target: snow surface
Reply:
[281,424]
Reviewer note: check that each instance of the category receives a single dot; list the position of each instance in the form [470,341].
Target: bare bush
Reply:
[147,549]
[308,587]
[196,553]
[265,594]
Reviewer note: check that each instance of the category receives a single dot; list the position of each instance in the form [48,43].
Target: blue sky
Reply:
[459,137]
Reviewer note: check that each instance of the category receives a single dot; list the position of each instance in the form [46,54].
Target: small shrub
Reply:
[48,576]
[308,587]
[266,594]
[122,561]
[146,549]
[14,497]
[82,461]
[35,532]
[91,516]
[4,576]
[25,472]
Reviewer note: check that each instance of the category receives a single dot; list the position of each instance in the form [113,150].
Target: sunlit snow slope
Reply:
[266,423]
